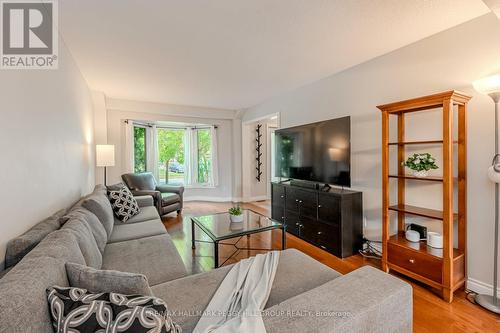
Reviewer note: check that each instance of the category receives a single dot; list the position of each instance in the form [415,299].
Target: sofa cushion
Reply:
[147,213]
[86,241]
[107,281]
[123,232]
[98,230]
[156,257]
[123,203]
[20,246]
[169,198]
[98,203]
[77,310]
[144,200]
[23,302]
[61,244]
[296,273]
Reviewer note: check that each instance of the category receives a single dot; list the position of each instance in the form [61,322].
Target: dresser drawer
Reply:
[422,264]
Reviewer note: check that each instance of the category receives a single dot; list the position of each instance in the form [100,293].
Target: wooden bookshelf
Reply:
[444,269]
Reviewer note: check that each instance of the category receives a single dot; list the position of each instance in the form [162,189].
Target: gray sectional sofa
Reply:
[306,295]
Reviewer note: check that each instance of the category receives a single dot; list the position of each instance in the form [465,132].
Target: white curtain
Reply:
[152,151]
[128,163]
[191,156]
[214,175]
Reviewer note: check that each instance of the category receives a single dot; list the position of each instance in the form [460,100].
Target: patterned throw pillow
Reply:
[124,204]
[76,310]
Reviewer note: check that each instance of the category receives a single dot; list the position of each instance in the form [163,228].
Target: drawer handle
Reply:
[319,206]
[412,261]
[319,232]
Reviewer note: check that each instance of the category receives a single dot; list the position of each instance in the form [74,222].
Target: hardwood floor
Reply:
[430,313]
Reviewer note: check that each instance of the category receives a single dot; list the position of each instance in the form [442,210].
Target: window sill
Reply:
[194,186]
[200,186]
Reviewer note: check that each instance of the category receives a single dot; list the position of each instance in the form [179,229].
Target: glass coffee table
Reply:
[218,227]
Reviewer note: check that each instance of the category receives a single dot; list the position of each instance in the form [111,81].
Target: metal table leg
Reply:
[216,254]
[193,246]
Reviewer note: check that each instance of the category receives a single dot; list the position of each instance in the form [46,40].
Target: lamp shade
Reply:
[105,155]
[489,85]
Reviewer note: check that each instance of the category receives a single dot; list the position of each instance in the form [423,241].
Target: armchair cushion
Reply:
[169,198]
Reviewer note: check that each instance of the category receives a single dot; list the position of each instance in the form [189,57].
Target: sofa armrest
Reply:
[170,189]
[365,300]
[144,200]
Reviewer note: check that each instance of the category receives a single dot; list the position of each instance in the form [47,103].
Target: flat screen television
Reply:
[318,152]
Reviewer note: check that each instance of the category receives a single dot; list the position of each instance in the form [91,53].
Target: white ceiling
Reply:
[237,53]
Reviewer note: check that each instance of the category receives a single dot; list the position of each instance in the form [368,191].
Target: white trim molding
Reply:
[480,287]
[209,199]
[256,198]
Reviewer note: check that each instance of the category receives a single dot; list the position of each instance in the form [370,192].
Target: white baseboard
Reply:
[256,198]
[480,287]
[207,198]
[224,199]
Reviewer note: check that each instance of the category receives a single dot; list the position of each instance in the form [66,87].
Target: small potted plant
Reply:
[420,164]
[236,214]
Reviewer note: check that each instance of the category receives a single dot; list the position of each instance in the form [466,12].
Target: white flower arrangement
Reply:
[421,162]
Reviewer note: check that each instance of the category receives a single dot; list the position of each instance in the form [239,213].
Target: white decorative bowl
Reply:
[420,174]
[236,218]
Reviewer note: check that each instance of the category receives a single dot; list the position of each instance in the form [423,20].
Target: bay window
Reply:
[181,155]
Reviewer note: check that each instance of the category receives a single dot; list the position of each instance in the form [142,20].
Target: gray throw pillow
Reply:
[100,235]
[104,281]
[20,246]
[99,204]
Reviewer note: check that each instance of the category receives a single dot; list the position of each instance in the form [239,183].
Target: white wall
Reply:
[448,60]
[119,110]
[46,140]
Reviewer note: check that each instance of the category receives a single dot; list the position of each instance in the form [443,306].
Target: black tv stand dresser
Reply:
[331,219]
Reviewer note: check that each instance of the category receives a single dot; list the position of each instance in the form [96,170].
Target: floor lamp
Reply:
[491,87]
[105,157]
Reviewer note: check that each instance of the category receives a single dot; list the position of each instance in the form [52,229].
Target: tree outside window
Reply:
[171,155]
[139,149]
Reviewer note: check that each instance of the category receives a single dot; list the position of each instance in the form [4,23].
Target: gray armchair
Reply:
[167,198]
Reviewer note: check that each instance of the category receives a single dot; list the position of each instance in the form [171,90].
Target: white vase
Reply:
[420,174]
[236,218]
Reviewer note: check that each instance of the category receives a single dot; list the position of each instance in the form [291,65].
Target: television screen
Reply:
[319,152]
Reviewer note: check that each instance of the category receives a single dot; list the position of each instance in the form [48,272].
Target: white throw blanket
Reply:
[237,304]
